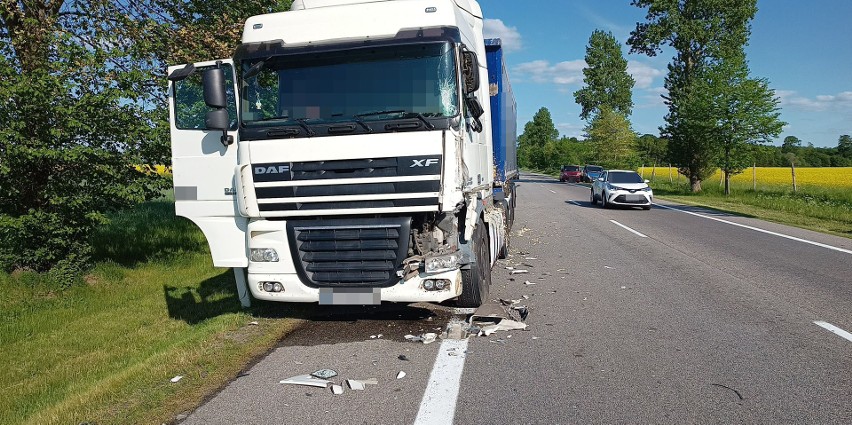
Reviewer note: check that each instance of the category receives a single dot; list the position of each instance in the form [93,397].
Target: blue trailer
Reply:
[504,128]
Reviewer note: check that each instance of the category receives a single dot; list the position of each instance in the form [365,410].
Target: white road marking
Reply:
[625,227]
[439,401]
[834,329]
[551,191]
[757,229]
[574,202]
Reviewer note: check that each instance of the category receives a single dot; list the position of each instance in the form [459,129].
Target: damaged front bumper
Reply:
[409,290]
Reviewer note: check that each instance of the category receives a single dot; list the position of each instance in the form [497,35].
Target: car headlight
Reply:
[442,263]
[611,187]
[646,189]
[264,255]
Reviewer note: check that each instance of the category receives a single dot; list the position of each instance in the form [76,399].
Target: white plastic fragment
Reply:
[529,283]
[400,375]
[253,323]
[510,325]
[519,271]
[530,258]
[337,389]
[306,380]
[176,378]
[355,384]
[510,268]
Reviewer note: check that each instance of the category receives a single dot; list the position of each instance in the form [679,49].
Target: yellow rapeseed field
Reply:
[159,169]
[829,177]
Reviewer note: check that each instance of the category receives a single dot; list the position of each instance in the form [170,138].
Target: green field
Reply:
[104,350]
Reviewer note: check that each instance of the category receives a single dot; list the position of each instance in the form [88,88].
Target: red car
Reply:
[570,173]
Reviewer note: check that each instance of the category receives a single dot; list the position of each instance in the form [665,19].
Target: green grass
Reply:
[823,209]
[103,351]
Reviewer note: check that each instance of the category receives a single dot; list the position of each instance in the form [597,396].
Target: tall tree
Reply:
[652,149]
[791,144]
[702,33]
[533,150]
[613,139]
[607,82]
[844,146]
[746,111]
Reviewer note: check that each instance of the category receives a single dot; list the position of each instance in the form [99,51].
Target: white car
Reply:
[622,187]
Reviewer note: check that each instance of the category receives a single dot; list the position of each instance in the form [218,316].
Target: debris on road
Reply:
[355,385]
[176,379]
[306,380]
[526,282]
[400,375]
[379,336]
[426,338]
[530,258]
[519,271]
[403,357]
[337,389]
[253,323]
[324,373]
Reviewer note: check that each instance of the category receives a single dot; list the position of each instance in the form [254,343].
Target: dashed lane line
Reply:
[627,228]
[834,329]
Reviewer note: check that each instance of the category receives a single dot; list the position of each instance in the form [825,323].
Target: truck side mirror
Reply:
[213,81]
[470,71]
[476,111]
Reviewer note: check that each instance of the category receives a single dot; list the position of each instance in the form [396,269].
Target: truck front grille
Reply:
[284,188]
[349,253]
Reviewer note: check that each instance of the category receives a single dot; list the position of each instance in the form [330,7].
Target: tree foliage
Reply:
[708,37]
[607,82]
[613,140]
[83,85]
[533,149]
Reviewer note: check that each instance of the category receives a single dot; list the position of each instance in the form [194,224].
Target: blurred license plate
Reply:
[350,296]
[635,198]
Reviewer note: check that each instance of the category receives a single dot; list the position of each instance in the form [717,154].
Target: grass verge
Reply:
[104,351]
[826,210]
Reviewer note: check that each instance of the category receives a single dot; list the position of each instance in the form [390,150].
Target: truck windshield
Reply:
[364,84]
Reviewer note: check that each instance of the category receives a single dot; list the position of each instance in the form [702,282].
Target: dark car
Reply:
[591,173]
[570,173]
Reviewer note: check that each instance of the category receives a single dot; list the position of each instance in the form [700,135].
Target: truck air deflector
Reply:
[349,252]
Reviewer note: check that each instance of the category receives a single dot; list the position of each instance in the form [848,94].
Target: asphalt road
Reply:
[674,315]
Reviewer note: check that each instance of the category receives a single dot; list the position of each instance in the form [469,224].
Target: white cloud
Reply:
[643,74]
[495,28]
[818,103]
[541,71]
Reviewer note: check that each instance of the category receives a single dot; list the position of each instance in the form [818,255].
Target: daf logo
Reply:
[423,162]
[280,169]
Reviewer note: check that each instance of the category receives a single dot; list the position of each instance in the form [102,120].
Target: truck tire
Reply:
[476,280]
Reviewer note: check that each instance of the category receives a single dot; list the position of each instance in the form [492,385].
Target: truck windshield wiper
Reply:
[361,122]
[373,113]
[426,122]
[417,115]
[304,126]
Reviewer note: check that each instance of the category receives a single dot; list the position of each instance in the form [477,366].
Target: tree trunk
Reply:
[727,183]
[793,169]
[695,183]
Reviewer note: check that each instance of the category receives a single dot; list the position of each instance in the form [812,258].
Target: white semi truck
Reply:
[348,153]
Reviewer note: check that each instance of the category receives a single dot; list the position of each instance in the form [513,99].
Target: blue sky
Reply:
[803,47]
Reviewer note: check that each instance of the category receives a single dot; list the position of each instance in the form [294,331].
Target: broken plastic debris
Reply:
[526,282]
[253,323]
[510,268]
[355,384]
[623,287]
[522,310]
[306,380]
[510,325]
[519,271]
[426,338]
[176,378]
[488,330]
[400,375]
[530,258]
[535,337]
[526,297]
[607,267]
[324,373]
[403,357]
[337,389]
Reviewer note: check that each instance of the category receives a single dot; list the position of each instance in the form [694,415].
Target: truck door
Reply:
[204,163]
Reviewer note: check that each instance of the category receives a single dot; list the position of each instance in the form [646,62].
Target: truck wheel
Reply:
[477,279]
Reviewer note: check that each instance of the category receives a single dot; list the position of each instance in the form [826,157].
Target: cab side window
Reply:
[190,109]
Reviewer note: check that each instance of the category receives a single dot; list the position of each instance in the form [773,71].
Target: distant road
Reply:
[674,315]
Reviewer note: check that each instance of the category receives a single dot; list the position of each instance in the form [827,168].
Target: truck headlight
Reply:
[264,255]
[442,263]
